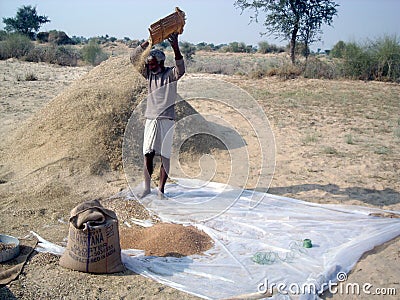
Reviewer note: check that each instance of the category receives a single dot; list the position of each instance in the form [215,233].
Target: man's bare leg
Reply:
[147,172]
[164,170]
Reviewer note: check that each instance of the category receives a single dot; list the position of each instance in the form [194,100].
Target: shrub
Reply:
[66,56]
[265,47]
[330,150]
[338,50]
[15,45]
[258,72]
[237,47]
[93,54]
[288,71]
[349,139]
[30,77]
[46,54]
[357,62]
[203,46]
[376,60]
[188,50]
[386,54]
[317,68]
[61,55]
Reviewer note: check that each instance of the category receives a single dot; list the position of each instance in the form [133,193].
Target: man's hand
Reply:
[145,44]
[173,40]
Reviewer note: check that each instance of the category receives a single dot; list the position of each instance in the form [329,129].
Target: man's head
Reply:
[155,60]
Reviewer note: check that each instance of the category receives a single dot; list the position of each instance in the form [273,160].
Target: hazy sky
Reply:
[211,21]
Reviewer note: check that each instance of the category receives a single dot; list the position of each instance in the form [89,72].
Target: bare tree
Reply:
[294,20]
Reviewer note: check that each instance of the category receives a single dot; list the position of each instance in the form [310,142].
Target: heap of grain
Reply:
[166,239]
[81,128]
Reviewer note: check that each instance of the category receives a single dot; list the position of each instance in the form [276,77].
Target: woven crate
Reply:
[163,28]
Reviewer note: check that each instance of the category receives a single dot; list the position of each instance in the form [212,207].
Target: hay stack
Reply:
[82,128]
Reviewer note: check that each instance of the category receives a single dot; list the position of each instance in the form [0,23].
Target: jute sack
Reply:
[93,241]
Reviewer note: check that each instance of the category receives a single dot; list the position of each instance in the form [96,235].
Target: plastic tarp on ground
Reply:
[247,226]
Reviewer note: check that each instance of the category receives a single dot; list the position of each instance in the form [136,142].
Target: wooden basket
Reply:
[163,28]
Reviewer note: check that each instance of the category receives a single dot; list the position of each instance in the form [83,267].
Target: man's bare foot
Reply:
[143,194]
[161,196]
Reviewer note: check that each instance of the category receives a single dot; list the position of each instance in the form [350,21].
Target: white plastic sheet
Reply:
[243,223]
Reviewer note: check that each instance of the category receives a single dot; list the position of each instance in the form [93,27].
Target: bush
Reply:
[237,47]
[15,45]
[93,54]
[203,46]
[258,72]
[265,47]
[288,71]
[376,60]
[386,54]
[338,50]
[358,63]
[66,56]
[188,50]
[60,55]
[41,54]
[317,68]
[31,77]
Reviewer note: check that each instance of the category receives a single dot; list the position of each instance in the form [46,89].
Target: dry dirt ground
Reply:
[336,142]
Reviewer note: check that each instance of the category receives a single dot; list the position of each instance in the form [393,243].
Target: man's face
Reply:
[154,66]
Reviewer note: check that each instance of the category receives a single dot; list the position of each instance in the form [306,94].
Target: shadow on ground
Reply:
[371,196]
[5,293]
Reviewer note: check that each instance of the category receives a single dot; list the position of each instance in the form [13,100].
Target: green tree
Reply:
[26,22]
[293,20]
[338,50]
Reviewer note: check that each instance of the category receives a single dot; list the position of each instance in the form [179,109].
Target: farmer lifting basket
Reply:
[162,94]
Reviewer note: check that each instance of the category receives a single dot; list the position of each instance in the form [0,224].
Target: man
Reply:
[160,109]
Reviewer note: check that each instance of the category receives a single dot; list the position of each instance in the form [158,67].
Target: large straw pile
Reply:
[82,128]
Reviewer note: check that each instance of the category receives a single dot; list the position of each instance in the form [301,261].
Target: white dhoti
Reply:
[158,137]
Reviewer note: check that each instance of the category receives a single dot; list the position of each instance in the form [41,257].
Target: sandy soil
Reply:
[337,142]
